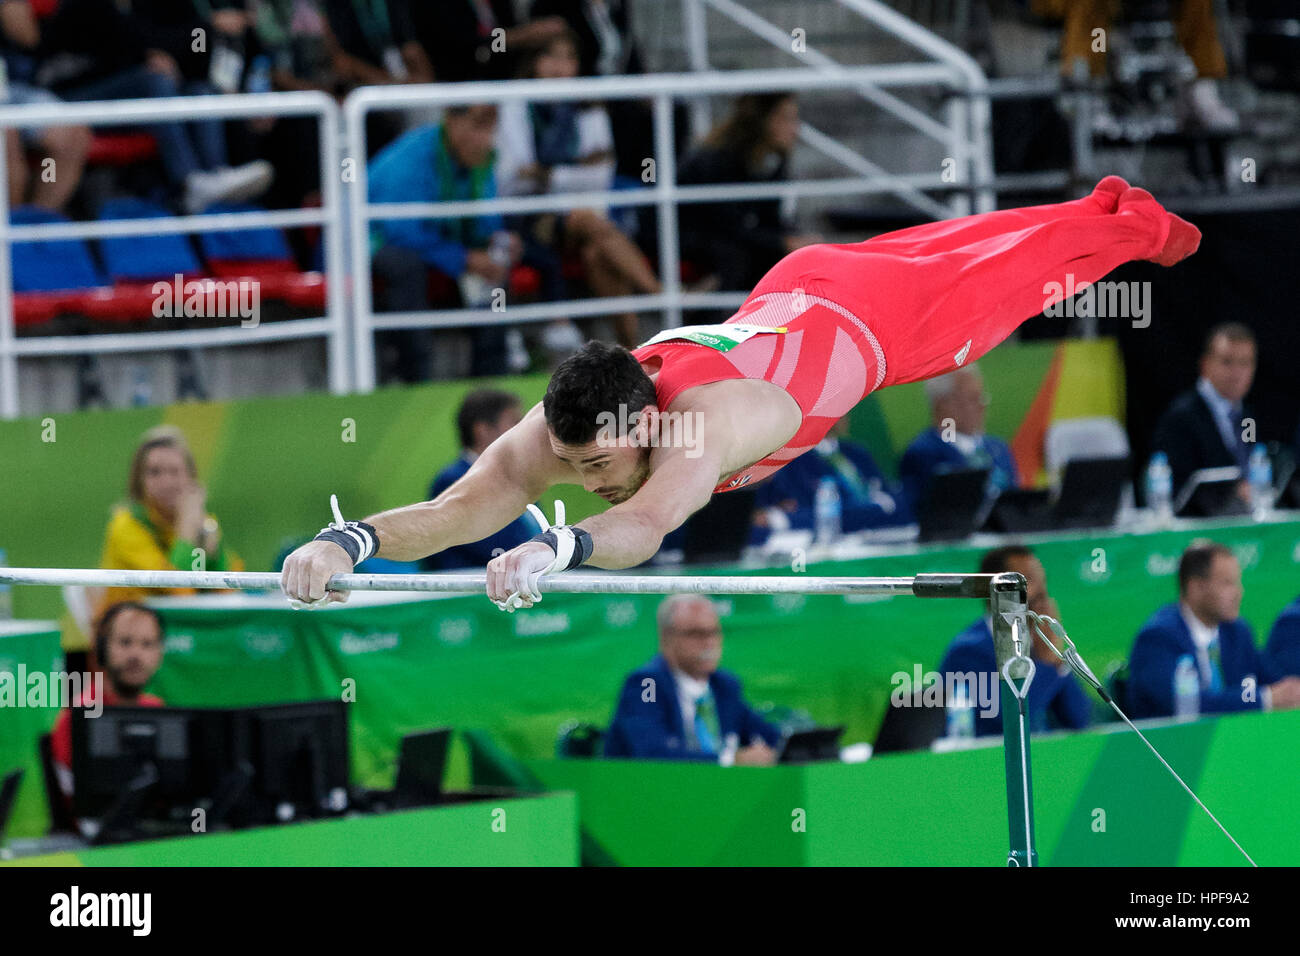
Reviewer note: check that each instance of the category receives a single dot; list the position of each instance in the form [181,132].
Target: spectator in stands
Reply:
[866,499]
[450,161]
[739,241]
[165,524]
[958,406]
[1205,625]
[679,706]
[1283,647]
[484,416]
[371,43]
[64,147]
[1205,427]
[91,50]
[1056,701]
[568,147]
[477,39]
[1197,32]
[129,651]
[607,46]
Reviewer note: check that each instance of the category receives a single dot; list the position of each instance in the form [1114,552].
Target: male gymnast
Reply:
[828,325]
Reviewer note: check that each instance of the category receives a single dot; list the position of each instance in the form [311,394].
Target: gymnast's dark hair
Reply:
[104,626]
[597,378]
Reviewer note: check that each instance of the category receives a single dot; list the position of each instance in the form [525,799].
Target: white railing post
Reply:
[670,272]
[332,233]
[8,316]
[363,333]
[695,23]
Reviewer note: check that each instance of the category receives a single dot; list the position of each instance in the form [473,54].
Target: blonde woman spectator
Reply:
[164,525]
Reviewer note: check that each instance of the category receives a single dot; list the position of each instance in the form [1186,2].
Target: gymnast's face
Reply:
[692,642]
[613,468]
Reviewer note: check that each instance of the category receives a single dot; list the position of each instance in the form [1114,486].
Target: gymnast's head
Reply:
[601,412]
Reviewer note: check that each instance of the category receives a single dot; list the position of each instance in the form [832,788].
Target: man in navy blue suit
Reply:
[1205,427]
[679,706]
[866,499]
[1205,625]
[958,405]
[1055,698]
[1283,648]
[484,414]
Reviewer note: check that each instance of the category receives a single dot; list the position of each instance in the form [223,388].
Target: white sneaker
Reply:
[229,184]
[1207,110]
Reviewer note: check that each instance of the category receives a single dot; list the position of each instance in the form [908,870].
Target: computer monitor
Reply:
[421,764]
[172,757]
[954,504]
[1091,492]
[814,744]
[719,531]
[299,757]
[909,728]
[8,796]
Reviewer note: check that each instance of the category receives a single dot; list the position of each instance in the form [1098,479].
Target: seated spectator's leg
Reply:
[16,160]
[207,135]
[614,266]
[1199,35]
[1081,18]
[403,278]
[67,146]
[178,157]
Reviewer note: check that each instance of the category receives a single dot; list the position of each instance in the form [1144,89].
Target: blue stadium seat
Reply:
[142,258]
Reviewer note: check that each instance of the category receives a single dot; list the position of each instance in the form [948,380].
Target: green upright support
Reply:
[1012,642]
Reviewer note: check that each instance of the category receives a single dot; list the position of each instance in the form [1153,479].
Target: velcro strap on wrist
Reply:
[357,538]
[572,546]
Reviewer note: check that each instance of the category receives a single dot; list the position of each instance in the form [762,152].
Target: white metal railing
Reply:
[332,326]
[665,194]
[966,134]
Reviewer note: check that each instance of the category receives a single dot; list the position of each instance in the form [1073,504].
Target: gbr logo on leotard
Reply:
[737,482]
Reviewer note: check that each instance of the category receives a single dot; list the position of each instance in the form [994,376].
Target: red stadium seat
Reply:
[120,149]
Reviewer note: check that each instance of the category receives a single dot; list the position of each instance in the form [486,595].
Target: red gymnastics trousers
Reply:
[913,304]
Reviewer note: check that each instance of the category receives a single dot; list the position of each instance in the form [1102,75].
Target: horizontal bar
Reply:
[921,585]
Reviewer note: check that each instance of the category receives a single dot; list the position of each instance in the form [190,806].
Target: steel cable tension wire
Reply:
[1075,661]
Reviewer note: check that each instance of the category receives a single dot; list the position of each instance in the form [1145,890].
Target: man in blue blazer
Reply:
[1283,648]
[485,414]
[1205,624]
[1055,700]
[956,441]
[679,706]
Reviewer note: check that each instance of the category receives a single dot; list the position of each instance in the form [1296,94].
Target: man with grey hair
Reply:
[956,440]
[679,706]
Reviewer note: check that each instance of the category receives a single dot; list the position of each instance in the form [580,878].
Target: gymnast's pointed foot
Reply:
[1177,238]
[1107,192]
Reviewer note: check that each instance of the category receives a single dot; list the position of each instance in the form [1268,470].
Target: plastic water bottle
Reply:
[141,386]
[1187,689]
[1160,488]
[961,714]
[1261,483]
[827,508]
[6,591]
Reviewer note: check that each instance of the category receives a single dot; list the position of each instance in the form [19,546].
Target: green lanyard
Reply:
[465,230]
